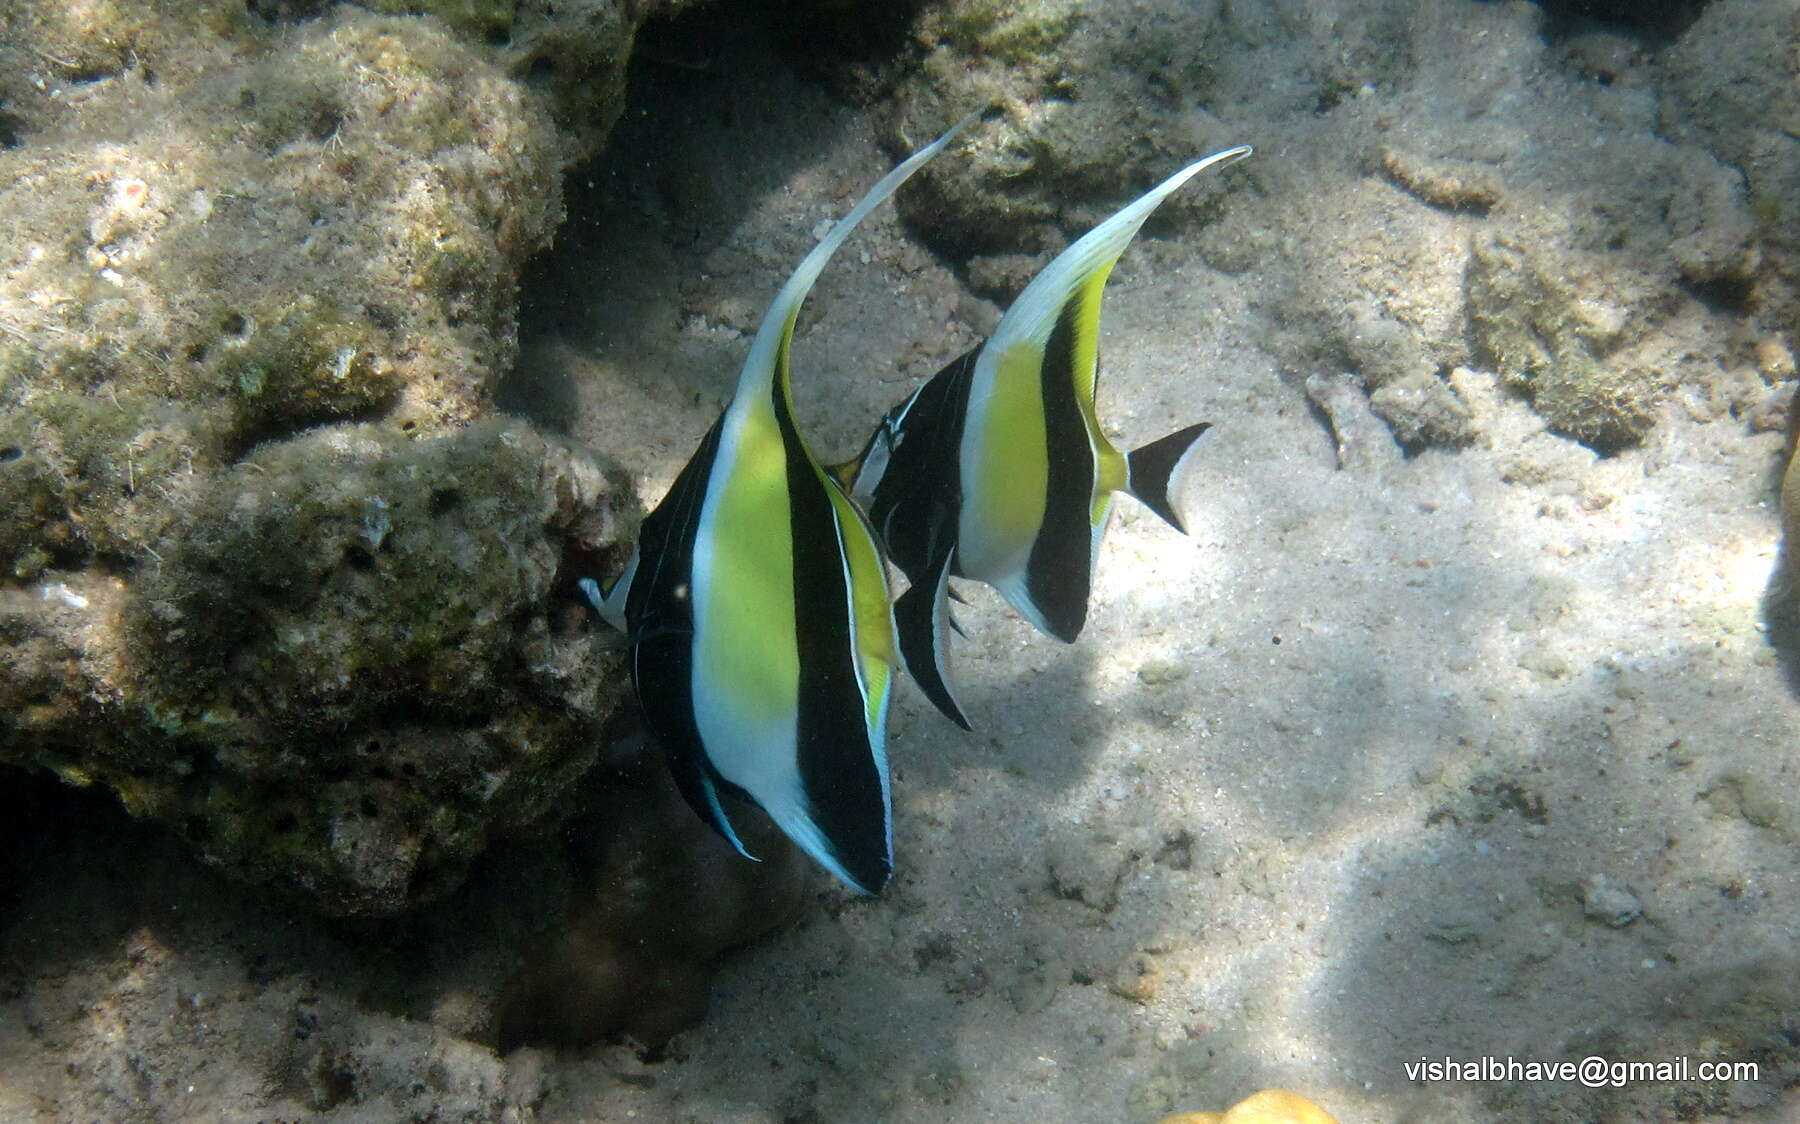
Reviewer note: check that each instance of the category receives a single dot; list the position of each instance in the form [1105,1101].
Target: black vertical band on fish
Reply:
[1059,570]
[845,792]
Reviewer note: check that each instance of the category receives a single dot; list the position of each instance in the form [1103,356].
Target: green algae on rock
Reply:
[84,479]
[1096,108]
[570,54]
[1732,82]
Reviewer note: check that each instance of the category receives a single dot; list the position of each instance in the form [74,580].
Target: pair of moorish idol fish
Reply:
[756,604]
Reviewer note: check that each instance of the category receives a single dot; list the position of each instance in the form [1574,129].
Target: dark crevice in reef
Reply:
[253,433]
[1655,22]
[1729,296]
[854,46]
[39,814]
[285,11]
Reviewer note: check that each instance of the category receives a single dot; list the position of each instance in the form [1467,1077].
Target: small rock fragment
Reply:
[1160,672]
[1362,440]
[1608,901]
[1453,932]
[1137,979]
[1086,870]
[1422,410]
[1774,359]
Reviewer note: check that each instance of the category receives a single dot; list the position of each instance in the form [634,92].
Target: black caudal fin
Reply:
[923,622]
[1157,469]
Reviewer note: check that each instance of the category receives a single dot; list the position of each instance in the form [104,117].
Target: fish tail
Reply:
[923,621]
[1154,472]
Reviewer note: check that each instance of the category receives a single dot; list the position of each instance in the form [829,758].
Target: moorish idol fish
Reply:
[997,469]
[757,615]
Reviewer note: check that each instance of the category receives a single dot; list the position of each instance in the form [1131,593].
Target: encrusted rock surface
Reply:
[350,660]
[268,571]
[1732,83]
[1557,234]
[306,227]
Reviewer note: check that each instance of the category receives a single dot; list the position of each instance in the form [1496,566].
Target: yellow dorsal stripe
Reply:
[1110,470]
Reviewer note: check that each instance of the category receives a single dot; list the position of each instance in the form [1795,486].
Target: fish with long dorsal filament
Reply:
[757,612]
[997,469]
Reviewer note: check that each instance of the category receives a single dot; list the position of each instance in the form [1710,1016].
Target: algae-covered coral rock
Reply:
[346,665]
[339,661]
[1732,82]
[1095,107]
[311,226]
[570,54]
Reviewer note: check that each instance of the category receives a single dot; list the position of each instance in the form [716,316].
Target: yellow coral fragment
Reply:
[1271,1106]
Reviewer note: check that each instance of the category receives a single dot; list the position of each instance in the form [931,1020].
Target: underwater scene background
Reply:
[339,342]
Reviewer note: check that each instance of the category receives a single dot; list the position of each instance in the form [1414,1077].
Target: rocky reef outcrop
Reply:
[270,570]
[1594,238]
